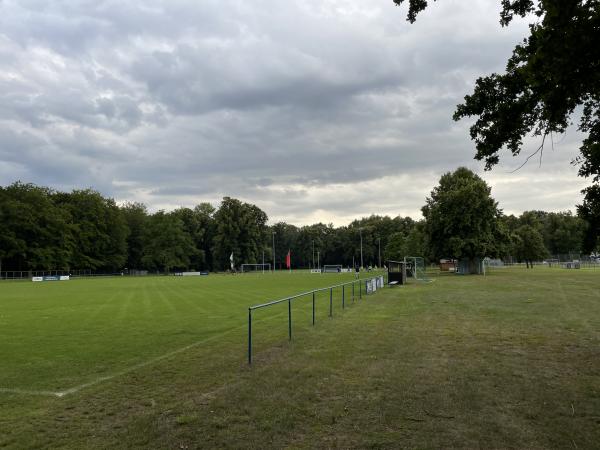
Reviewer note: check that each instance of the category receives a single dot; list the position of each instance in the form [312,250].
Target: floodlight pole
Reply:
[313,254]
[274,252]
[263,266]
[318,260]
[379,242]
[361,253]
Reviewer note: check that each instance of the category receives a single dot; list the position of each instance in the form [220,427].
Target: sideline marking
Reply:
[79,387]
[28,392]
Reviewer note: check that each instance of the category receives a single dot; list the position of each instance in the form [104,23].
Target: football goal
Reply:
[246,268]
[415,268]
[332,268]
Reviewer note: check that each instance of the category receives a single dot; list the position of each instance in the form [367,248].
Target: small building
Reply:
[447,265]
[468,266]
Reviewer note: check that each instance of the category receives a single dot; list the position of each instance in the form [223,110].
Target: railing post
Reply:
[313,308]
[343,296]
[249,336]
[330,302]
[290,317]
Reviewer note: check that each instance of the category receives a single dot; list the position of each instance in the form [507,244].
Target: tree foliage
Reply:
[136,218]
[554,71]
[412,243]
[167,246]
[529,245]
[34,231]
[240,228]
[461,217]
[590,212]
[44,229]
[99,230]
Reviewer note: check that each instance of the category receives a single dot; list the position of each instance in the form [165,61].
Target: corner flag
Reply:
[288,260]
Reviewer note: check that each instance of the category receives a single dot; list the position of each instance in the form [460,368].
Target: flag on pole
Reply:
[288,260]
[231,261]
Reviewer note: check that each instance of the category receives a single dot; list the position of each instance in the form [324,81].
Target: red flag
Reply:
[288,259]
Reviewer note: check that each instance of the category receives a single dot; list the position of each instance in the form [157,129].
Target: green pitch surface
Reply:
[61,336]
[509,360]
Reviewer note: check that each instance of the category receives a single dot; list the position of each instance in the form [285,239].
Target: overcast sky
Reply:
[314,110]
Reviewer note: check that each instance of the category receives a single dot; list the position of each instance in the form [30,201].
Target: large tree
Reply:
[34,232]
[204,213]
[167,245]
[590,212]
[193,226]
[461,217]
[136,218]
[551,74]
[402,244]
[529,245]
[563,233]
[240,228]
[100,231]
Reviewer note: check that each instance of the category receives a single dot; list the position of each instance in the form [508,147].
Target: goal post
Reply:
[247,268]
[332,268]
[415,268]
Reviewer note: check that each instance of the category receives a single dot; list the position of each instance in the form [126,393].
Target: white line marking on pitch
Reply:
[116,374]
[28,392]
[75,389]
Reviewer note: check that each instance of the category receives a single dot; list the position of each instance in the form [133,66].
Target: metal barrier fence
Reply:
[371,284]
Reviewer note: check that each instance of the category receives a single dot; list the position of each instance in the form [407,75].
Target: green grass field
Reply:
[60,335]
[509,360]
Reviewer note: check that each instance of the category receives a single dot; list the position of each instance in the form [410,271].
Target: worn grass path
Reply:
[510,360]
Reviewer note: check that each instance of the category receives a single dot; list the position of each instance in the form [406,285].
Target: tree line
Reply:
[44,229]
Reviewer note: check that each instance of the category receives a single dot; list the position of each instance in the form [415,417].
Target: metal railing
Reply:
[379,281]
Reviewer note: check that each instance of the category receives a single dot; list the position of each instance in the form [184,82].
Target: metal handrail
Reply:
[292,297]
[303,294]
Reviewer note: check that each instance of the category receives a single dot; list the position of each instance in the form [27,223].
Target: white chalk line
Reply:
[116,374]
[28,392]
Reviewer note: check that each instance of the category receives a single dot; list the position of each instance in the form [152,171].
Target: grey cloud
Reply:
[312,109]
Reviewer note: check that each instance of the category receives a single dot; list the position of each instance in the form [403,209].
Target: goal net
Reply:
[415,268]
[256,268]
[332,268]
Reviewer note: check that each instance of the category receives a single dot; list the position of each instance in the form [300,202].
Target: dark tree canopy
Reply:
[240,228]
[167,245]
[136,218]
[33,229]
[461,217]
[554,71]
[100,231]
[43,229]
[529,245]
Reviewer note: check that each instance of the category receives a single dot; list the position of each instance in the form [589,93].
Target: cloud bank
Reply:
[315,110]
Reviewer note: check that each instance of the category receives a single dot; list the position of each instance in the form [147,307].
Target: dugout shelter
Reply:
[396,272]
